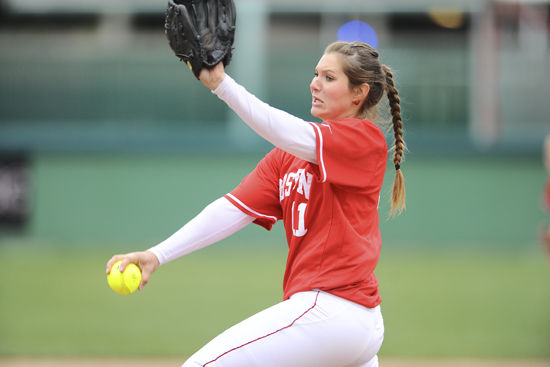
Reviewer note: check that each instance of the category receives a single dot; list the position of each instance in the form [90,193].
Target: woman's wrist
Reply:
[213,77]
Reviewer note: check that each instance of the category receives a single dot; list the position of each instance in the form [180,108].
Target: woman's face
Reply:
[332,97]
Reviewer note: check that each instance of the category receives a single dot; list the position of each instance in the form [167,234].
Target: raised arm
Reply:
[280,128]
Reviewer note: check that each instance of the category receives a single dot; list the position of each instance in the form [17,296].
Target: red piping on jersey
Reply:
[322,163]
[265,336]
[321,160]
[251,210]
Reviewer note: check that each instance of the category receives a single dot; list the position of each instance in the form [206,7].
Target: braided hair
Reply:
[361,65]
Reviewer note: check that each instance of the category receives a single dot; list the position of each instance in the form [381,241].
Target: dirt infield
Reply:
[176,363]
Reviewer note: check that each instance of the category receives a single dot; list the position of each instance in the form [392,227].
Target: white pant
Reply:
[311,329]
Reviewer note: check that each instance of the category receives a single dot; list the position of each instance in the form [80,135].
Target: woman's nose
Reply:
[314,85]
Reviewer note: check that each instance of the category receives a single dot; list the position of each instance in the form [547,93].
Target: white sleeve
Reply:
[280,128]
[216,222]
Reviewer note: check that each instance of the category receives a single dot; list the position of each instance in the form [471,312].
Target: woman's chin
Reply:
[316,113]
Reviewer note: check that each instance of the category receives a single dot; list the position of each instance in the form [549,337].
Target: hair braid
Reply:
[361,64]
[398,191]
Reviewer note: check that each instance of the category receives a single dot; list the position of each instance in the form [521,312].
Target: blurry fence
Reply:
[75,85]
[70,85]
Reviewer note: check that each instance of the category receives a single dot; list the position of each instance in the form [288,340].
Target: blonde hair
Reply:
[361,65]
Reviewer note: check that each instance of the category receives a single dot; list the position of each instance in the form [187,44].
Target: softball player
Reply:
[323,181]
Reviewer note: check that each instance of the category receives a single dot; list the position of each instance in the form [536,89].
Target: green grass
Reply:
[58,303]
[466,304]
[55,302]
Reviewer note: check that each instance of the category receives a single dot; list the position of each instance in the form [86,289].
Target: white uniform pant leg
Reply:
[311,329]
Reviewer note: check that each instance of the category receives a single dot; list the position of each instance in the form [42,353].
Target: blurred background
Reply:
[109,144]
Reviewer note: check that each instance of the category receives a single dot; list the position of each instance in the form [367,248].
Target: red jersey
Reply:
[329,209]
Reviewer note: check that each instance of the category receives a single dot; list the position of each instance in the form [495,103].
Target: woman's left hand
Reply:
[212,78]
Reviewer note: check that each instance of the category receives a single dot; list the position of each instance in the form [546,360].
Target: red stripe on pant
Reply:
[265,336]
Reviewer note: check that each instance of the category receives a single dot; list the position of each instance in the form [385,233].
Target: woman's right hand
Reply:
[213,77]
[146,261]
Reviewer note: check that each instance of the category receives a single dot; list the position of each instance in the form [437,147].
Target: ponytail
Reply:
[398,190]
[361,64]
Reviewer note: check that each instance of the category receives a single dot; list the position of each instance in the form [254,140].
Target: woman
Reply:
[324,181]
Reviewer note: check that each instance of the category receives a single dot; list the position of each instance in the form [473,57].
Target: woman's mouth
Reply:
[316,102]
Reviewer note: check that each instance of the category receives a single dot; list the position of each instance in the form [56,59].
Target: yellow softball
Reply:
[125,282]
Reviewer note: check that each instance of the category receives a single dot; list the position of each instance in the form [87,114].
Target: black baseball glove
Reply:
[201,32]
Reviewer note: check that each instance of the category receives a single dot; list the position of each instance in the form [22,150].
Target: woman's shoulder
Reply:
[280,155]
[348,121]
[354,125]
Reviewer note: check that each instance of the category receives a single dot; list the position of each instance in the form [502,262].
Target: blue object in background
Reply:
[357,30]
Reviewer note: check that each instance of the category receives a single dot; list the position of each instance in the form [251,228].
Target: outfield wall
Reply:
[144,198]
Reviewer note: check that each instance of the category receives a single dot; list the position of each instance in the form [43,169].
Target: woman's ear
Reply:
[361,91]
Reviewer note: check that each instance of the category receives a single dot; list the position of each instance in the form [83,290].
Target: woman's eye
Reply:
[329,78]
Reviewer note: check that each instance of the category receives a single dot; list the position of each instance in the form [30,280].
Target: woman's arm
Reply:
[216,222]
[280,128]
